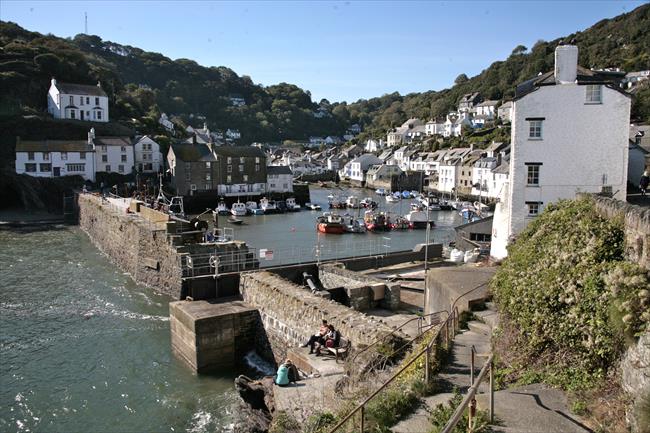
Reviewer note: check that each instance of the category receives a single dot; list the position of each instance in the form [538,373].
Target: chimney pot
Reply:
[53,81]
[566,64]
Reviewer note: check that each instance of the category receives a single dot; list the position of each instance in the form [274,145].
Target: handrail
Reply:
[385,337]
[469,398]
[361,407]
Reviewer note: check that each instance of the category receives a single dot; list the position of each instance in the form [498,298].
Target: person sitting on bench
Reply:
[317,338]
[332,339]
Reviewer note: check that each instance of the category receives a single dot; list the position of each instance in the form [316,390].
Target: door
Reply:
[56,171]
[82,114]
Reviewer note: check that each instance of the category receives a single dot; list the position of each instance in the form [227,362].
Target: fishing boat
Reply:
[281,205]
[401,223]
[238,209]
[392,199]
[414,194]
[418,219]
[430,202]
[330,223]
[222,208]
[313,206]
[292,206]
[234,220]
[338,204]
[376,222]
[353,225]
[252,209]
[268,206]
[352,202]
[368,203]
[380,191]
[406,194]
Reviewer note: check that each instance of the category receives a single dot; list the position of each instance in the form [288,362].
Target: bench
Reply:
[341,351]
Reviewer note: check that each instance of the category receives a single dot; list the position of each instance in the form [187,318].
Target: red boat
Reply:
[330,223]
[376,223]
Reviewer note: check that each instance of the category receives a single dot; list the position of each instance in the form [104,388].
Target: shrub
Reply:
[284,423]
[443,412]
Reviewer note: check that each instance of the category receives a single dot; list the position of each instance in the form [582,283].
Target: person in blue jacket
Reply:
[282,376]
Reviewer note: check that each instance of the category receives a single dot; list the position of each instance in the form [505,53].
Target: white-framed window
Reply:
[229,160]
[533,208]
[30,167]
[229,179]
[87,100]
[193,187]
[99,115]
[229,168]
[104,158]
[46,168]
[120,168]
[594,94]
[82,155]
[123,158]
[272,185]
[533,175]
[535,131]
[108,167]
[257,160]
[81,100]
[97,103]
[30,156]
[208,176]
[208,186]
[64,155]
[257,167]
[73,114]
[46,156]
[123,149]
[71,100]
[207,164]
[188,175]
[75,168]
[245,178]
[241,159]
[241,168]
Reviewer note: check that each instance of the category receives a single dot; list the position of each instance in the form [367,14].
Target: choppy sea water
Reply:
[84,349]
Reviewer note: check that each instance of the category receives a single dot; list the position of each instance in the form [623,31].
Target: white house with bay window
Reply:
[569,134]
[55,158]
[77,101]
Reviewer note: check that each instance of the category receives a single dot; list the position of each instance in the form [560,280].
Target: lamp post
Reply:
[426,262]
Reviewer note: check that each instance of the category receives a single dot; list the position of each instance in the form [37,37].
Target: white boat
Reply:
[392,199]
[222,208]
[238,209]
[380,191]
[268,206]
[352,202]
[251,206]
[457,256]
[419,218]
[313,206]
[292,205]
[352,225]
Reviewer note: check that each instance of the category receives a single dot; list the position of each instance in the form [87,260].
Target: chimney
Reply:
[54,81]
[99,84]
[566,64]
[91,136]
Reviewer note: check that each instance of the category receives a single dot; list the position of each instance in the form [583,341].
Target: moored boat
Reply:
[418,219]
[268,206]
[401,223]
[313,206]
[352,202]
[251,207]
[234,220]
[238,209]
[353,225]
[376,222]
[222,208]
[380,191]
[330,223]
[392,199]
[292,206]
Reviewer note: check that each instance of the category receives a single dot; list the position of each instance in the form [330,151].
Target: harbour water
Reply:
[83,348]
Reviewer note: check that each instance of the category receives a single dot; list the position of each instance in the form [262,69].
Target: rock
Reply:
[635,368]
[254,411]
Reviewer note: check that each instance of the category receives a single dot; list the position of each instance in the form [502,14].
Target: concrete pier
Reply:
[209,336]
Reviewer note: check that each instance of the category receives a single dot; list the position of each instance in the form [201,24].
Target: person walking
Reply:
[643,183]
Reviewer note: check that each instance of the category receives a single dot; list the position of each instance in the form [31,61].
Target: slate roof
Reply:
[112,141]
[80,89]
[584,76]
[192,153]
[237,151]
[53,146]
[278,169]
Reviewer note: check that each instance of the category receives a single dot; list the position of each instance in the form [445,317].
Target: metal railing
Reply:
[469,402]
[452,320]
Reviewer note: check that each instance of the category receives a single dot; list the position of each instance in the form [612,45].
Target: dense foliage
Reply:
[567,297]
[142,84]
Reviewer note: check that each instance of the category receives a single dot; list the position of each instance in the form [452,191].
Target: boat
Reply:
[376,222]
[330,197]
[292,206]
[368,203]
[313,206]
[414,194]
[353,225]
[418,218]
[352,202]
[392,199]
[338,204]
[238,209]
[330,223]
[234,220]
[251,208]
[380,191]
[281,205]
[406,194]
[401,223]
[222,208]
[268,206]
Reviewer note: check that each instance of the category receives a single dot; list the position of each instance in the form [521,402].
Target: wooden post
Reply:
[472,413]
[362,417]
[491,392]
[471,371]
[426,366]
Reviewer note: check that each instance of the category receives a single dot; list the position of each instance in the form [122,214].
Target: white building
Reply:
[360,165]
[449,169]
[237,100]
[112,154]
[147,156]
[233,134]
[54,158]
[569,134]
[280,178]
[453,126]
[166,123]
[435,127]
[77,101]
[504,111]
[487,109]
[373,145]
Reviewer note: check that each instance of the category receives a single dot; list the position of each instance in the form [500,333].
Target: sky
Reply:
[342,51]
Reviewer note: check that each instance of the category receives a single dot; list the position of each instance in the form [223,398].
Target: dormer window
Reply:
[594,94]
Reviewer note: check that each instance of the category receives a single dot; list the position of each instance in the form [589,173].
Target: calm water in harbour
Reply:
[84,349]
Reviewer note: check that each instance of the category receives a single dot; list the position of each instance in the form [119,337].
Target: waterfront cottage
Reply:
[112,154]
[570,132]
[54,158]
[77,101]
[148,158]
[360,165]
[279,178]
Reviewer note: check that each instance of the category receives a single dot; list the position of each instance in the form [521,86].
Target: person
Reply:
[282,376]
[293,371]
[330,339]
[317,338]
[643,183]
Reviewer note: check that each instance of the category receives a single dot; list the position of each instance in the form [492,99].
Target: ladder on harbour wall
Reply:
[71,209]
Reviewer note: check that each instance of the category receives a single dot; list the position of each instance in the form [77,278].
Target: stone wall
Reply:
[637,226]
[134,244]
[635,369]
[291,314]
[363,292]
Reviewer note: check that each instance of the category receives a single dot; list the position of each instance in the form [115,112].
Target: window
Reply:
[30,156]
[241,167]
[82,155]
[108,167]
[257,167]
[76,167]
[257,160]
[81,100]
[229,168]
[535,131]
[87,100]
[285,185]
[99,115]
[120,168]
[242,188]
[207,165]
[594,94]
[46,156]
[188,175]
[123,158]
[46,167]
[208,176]
[208,186]
[30,168]
[533,208]
[188,166]
[241,160]
[73,114]
[533,175]
[193,187]
[88,114]
[272,185]
[104,158]
[229,160]
[71,100]
[97,103]
[245,178]
[123,149]
[64,155]
[480,237]
[228,179]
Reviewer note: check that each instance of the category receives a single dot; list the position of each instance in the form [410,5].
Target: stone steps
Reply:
[479,328]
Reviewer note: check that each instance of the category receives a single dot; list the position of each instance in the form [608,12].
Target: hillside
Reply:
[143,84]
